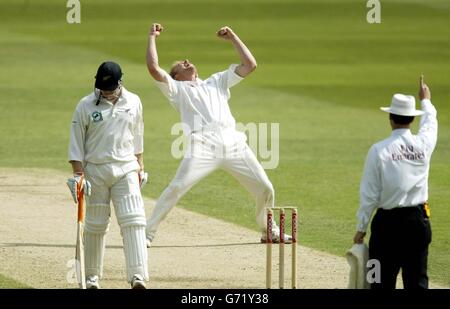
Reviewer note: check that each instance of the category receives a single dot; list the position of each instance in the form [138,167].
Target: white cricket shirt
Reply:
[396,169]
[200,103]
[107,132]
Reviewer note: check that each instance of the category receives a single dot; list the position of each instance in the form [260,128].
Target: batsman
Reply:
[214,142]
[106,147]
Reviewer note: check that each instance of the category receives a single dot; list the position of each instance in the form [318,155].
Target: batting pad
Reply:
[130,211]
[96,225]
[131,218]
[135,249]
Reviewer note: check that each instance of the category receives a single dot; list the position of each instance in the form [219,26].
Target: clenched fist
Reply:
[156,29]
[225,33]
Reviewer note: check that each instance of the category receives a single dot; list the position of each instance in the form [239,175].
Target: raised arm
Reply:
[152,55]
[248,62]
[428,122]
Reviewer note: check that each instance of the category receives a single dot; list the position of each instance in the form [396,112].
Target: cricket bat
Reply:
[79,249]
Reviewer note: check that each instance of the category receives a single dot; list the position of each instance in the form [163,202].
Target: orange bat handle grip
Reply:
[80,195]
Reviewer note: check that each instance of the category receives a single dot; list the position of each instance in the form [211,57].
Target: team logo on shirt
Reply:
[97,116]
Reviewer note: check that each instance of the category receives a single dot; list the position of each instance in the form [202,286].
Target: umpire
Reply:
[395,180]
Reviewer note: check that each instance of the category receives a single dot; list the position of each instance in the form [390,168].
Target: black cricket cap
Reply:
[108,76]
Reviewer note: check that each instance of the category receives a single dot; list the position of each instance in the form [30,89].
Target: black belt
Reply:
[403,208]
[401,211]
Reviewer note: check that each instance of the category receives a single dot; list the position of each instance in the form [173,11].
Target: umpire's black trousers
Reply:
[399,239]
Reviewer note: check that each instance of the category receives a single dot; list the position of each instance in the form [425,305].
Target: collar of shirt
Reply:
[195,82]
[398,132]
[120,101]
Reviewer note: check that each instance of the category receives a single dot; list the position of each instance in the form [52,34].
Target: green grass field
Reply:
[8,283]
[323,72]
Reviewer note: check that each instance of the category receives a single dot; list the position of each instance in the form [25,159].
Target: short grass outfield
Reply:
[323,72]
[8,283]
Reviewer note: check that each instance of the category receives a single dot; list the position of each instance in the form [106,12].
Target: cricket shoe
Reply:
[138,283]
[276,238]
[92,282]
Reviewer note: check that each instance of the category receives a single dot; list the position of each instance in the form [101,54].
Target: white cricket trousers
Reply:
[118,182]
[223,149]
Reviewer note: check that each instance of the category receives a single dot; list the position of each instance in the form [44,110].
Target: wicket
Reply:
[282,211]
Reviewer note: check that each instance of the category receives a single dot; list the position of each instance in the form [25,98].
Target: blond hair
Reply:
[173,72]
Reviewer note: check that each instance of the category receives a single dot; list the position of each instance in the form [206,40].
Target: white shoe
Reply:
[276,238]
[92,282]
[138,283]
[148,242]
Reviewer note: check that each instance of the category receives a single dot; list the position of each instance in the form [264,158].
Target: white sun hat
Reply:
[403,105]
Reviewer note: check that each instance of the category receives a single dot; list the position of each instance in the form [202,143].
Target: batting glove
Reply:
[77,182]
[143,177]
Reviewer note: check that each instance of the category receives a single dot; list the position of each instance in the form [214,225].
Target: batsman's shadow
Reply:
[37,245]
[16,245]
